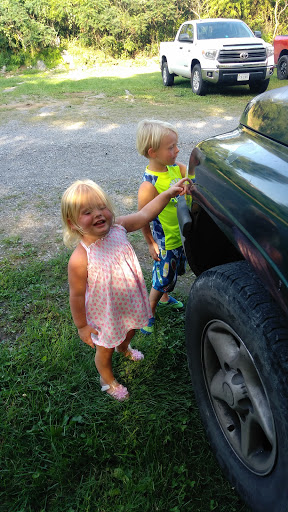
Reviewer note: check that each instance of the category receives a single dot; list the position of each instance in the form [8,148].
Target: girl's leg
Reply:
[124,345]
[103,361]
[128,351]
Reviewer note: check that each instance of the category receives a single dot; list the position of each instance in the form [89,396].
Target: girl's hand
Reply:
[85,335]
[188,187]
[179,188]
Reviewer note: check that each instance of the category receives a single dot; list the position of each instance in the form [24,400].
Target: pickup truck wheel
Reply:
[259,87]
[168,78]
[282,68]
[237,350]
[197,84]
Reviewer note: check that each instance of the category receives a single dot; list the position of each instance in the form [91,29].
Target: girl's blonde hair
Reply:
[150,133]
[82,193]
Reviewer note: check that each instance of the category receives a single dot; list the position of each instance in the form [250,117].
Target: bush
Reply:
[50,56]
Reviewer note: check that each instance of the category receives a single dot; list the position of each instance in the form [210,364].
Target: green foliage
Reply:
[50,56]
[23,27]
[122,27]
[12,61]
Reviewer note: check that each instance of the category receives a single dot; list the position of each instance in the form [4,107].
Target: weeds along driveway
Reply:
[45,146]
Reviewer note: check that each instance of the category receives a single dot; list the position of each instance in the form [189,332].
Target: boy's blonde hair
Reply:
[82,193]
[150,133]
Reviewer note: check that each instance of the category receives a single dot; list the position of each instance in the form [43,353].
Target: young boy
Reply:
[157,141]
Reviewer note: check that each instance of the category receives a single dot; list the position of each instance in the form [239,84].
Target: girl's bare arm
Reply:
[147,192]
[77,277]
[140,219]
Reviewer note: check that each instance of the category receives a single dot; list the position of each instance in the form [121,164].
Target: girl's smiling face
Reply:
[95,222]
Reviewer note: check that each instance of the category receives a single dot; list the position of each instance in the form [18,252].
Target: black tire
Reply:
[168,78]
[237,341]
[197,84]
[282,68]
[259,86]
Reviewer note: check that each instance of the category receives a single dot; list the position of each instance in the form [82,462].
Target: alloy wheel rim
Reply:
[196,81]
[238,397]
[283,68]
[165,74]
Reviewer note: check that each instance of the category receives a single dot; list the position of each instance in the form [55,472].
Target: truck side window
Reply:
[204,31]
[190,32]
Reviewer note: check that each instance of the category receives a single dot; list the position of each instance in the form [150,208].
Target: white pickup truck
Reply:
[217,51]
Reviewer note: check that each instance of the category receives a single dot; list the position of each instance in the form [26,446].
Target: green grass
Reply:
[147,89]
[67,447]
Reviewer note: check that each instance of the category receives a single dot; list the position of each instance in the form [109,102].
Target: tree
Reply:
[21,28]
[279,18]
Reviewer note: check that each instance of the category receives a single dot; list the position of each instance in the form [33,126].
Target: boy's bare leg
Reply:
[154,298]
[165,297]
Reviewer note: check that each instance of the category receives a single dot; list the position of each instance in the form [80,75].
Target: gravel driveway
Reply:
[45,147]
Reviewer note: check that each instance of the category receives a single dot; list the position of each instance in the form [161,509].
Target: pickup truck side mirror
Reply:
[257,33]
[185,37]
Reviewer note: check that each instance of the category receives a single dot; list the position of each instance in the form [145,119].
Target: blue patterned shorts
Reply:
[165,272]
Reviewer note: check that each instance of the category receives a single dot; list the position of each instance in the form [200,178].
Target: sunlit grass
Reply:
[144,88]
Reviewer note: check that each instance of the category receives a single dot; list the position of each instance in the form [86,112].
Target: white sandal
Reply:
[117,391]
[132,353]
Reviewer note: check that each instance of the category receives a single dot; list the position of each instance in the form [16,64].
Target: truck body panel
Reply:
[242,184]
[280,47]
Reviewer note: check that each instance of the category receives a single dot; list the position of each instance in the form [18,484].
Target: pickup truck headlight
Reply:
[270,51]
[209,54]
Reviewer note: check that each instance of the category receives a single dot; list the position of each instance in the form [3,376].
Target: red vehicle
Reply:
[281,56]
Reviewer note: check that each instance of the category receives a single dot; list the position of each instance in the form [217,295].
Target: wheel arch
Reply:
[163,59]
[204,234]
[283,52]
[209,245]
[193,63]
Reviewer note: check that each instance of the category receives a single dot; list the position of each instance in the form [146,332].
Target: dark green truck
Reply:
[235,237]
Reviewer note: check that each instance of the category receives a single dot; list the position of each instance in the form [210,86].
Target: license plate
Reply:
[242,76]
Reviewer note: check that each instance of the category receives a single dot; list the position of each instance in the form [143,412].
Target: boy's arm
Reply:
[77,277]
[183,169]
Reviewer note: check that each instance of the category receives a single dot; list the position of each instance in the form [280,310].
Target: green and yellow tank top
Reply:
[166,231]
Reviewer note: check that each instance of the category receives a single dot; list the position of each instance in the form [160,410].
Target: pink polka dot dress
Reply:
[116,298]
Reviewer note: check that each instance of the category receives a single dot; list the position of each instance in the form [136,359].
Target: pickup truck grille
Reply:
[242,54]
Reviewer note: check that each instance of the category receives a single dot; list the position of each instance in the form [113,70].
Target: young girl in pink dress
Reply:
[108,297]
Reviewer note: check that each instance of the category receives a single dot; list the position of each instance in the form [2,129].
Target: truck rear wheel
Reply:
[282,68]
[197,83]
[168,78]
[259,87]
[237,352]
